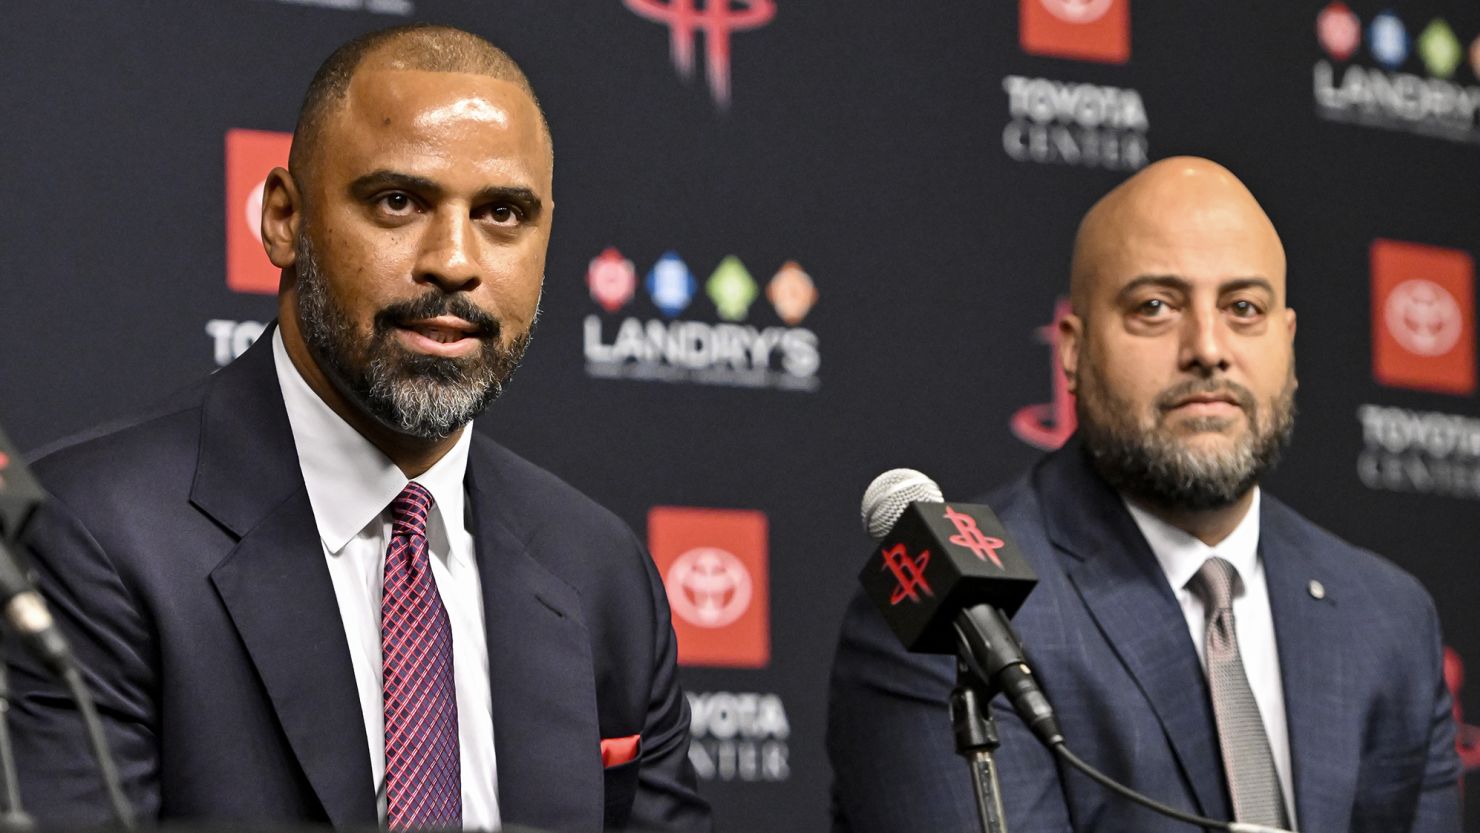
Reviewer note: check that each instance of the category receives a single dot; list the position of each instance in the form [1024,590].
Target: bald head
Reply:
[424,47]
[1171,211]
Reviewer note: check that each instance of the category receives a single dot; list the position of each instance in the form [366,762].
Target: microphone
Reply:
[22,607]
[946,578]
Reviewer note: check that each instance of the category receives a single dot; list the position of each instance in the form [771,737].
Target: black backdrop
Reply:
[924,163]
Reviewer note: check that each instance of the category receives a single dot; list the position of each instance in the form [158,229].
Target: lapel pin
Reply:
[1317,590]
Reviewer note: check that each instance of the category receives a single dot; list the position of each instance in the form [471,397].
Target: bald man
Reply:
[1200,641]
[306,591]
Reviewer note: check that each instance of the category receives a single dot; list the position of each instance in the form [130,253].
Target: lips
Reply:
[444,329]
[447,336]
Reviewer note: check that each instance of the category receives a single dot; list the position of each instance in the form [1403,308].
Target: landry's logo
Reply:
[713,563]
[1423,317]
[678,345]
[1394,94]
[250,156]
[1069,122]
[1049,425]
[1086,30]
[718,20]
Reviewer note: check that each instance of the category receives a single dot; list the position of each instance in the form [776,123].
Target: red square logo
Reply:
[1085,30]
[250,156]
[1423,317]
[713,563]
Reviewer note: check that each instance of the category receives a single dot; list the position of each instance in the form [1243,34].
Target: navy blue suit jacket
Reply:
[1371,733]
[181,556]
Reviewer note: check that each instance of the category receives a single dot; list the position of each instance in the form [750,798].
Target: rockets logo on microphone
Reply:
[935,555]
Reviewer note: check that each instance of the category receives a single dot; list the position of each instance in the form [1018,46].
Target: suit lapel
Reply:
[275,585]
[1117,576]
[541,671]
[1323,730]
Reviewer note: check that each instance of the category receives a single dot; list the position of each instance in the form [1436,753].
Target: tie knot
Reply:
[410,509]
[1214,583]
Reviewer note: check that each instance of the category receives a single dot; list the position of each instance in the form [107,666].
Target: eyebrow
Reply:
[1181,284]
[383,179]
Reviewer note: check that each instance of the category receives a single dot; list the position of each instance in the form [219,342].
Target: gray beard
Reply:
[1158,467]
[428,397]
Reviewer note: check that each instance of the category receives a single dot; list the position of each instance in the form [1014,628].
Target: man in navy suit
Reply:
[1180,353]
[305,590]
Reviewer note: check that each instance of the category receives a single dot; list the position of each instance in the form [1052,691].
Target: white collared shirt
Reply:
[351,485]
[1181,555]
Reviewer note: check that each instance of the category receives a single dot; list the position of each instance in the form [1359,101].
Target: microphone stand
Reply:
[976,741]
[13,818]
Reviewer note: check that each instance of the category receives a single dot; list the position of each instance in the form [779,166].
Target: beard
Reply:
[1160,467]
[429,397]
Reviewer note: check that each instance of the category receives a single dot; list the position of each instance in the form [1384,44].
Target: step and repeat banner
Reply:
[799,242]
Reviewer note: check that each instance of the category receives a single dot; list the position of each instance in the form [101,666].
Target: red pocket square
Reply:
[616,751]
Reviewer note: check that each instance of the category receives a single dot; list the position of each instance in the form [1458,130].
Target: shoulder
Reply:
[150,453]
[1383,588]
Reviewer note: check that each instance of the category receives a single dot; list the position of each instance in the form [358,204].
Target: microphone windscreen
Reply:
[886,498]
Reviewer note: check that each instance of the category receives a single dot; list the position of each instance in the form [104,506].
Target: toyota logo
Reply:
[709,587]
[1077,11]
[1423,317]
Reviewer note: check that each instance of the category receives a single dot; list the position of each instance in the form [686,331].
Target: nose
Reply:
[1203,348]
[449,253]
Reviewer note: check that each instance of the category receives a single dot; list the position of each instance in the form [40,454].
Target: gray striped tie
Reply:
[1252,780]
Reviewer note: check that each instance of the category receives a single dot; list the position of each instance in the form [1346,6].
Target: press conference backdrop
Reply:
[798,242]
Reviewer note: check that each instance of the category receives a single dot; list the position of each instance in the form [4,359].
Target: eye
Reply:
[396,203]
[1152,308]
[1245,309]
[503,214]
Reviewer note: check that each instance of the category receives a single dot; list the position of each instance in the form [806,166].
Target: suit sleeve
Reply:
[59,778]
[894,758]
[667,796]
[1438,808]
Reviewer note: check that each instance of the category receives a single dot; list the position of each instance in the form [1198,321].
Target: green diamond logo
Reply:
[731,288]
[1440,49]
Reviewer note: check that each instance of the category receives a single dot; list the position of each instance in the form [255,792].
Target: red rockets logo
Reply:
[909,572]
[718,19]
[969,537]
[1050,424]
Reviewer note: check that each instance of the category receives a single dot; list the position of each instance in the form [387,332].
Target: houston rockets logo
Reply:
[1467,737]
[1050,424]
[969,537]
[909,572]
[718,19]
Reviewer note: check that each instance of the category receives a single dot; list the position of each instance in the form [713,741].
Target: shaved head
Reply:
[418,46]
[1176,200]
[1179,347]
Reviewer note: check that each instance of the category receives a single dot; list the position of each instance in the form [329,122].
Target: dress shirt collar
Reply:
[350,481]
[1181,555]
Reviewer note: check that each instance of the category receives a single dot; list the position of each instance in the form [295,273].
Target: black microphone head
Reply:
[20,494]
[885,499]
[939,559]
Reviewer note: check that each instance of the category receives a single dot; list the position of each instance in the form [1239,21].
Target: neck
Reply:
[412,455]
[1210,526]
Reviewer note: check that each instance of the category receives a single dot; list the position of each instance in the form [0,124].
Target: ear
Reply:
[282,213]
[1071,339]
[1290,323]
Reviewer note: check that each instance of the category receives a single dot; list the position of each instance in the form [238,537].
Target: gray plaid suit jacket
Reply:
[1371,732]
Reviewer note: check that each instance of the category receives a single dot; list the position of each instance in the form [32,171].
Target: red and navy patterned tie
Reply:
[423,773]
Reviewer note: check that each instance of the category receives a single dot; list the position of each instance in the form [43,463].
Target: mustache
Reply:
[1206,387]
[433,304]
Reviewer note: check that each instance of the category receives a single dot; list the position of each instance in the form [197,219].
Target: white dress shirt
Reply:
[351,485]
[1181,555]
